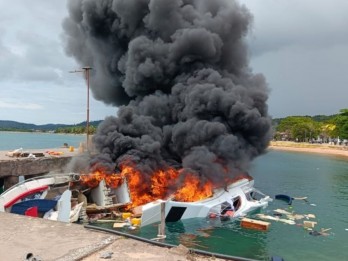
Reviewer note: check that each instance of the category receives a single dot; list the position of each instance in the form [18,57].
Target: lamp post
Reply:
[86,71]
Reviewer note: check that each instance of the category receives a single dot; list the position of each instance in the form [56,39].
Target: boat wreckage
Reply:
[66,198]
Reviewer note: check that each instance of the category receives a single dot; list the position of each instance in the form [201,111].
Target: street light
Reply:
[86,71]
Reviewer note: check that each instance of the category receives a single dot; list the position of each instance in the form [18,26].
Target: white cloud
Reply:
[18,105]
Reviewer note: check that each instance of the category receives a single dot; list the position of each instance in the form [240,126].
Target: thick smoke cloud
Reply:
[179,71]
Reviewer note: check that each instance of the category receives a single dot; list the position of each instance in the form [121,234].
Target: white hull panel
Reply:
[236,196]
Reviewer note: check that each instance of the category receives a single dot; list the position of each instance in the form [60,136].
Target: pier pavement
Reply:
[50,240]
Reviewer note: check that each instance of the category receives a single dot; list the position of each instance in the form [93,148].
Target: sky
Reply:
[300,46]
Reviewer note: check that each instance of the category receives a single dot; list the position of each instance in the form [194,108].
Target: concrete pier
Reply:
[50,240]
[53,160]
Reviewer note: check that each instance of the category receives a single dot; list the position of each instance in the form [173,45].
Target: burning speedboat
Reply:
[238,199]
[52,197]
[143,197]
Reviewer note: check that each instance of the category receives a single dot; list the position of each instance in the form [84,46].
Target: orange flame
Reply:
[194,190]
[161,184]
[92,179]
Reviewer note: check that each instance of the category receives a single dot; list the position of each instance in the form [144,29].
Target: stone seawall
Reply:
[53,160]
[28,167]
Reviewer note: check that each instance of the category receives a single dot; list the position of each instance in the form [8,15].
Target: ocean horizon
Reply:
[38,140]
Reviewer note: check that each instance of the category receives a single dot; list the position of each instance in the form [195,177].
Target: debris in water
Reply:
[285,198]
[255,224]
[266,217]
[309,224]
[322,232]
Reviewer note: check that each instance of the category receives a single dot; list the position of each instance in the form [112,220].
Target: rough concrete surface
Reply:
[125,249]
[17,166]
[49,240]
[56,241]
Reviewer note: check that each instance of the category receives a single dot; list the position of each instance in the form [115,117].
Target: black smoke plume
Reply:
[178,70]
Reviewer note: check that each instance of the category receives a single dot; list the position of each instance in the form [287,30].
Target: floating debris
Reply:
[255,224]
[267,217]
[309,224]
[322,232]
[283,197]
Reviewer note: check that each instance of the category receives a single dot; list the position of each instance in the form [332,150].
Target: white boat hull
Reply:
[175,211]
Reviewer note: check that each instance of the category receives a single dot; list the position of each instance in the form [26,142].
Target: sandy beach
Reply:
[334,150]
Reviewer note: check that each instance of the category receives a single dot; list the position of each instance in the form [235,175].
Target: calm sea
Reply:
[27,141]
[322,179]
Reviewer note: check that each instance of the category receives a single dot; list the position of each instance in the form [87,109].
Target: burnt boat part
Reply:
[239,197]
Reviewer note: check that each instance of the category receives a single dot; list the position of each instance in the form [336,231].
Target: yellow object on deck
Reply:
[126,215]
[71,148]
[136,221]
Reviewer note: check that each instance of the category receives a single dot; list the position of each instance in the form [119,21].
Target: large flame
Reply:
[161,184]
[193,189]
[92,179]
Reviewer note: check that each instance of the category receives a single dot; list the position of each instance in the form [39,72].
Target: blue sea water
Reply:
[28,140]
[322,179]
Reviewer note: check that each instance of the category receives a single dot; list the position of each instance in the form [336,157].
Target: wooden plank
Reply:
[309,224]
[254,224]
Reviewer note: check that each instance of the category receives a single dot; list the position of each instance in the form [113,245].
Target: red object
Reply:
[229,213]
[212,215]
[25,194]
[31,212]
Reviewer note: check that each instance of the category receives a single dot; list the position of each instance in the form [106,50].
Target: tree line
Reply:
[77,130]
[313,129]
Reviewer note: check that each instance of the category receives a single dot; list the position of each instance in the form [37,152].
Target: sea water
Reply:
[322,179]
[33,140]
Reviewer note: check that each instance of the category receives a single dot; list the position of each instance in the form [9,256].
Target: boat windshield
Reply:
[254,195]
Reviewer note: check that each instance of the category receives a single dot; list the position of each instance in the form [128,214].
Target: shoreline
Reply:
[323,149]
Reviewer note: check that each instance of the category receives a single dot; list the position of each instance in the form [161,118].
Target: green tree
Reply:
[341,121]
[301,128]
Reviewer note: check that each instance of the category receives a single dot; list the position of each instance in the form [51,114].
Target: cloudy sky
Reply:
[301,46]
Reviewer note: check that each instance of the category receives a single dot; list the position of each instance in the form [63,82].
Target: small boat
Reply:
[36,196]
[238,199]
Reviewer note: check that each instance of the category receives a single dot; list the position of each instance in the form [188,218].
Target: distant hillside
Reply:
[19,126]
